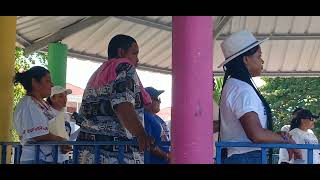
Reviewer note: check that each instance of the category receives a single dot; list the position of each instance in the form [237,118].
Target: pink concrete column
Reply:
[192,132]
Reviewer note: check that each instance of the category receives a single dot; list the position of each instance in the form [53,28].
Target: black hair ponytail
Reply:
[25,78]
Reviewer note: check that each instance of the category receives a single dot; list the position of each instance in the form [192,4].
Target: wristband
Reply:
[285,138]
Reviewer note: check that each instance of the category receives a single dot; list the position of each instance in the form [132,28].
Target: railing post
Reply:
[310,156]
[55,153]
[15,157]
[75,155]
[4,154]
[218,154]
[19,153]
[97,154]
[121,154]
[264,156]
[37,153]
[146,157]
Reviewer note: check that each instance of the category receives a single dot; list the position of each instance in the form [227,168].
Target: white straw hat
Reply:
[238,43]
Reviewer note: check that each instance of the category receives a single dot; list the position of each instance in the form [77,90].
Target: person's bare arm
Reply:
[161,154]
[254,131]
[49,137]
[129,119]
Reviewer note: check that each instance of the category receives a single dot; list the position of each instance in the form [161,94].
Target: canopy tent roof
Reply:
[293,48]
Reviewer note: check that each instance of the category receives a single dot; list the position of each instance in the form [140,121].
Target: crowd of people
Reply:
[116,107]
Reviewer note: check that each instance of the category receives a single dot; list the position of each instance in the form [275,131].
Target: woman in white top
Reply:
[300,130]
[245,115]
[283,153]
[32,114]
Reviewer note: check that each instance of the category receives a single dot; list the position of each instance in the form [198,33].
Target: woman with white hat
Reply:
[244,113]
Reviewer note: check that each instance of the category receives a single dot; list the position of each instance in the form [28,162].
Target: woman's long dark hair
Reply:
[237,69]
[295,123]
[49,101]
[25,78]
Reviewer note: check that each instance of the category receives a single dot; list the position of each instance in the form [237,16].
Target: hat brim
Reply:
[68,91]
[315,116]
[160,92]
[240,52]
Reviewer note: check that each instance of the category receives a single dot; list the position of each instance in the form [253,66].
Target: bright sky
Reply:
[79,72]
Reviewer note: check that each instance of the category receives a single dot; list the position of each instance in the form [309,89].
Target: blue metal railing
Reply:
[17,151]
[17,148]
[264,147]
[97,144]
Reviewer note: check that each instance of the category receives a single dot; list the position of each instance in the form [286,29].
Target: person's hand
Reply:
[285,134]
[144,142]
[168,156]
[65,148]
[152,142]
[295,153]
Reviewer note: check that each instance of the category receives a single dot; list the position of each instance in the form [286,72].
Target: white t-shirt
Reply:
[31,120]
[238,98]
[301,137]
[62,157]
[286,128]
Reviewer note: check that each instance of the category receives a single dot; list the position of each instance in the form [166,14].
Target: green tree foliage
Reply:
[23,63]
[285,94]
[217,89]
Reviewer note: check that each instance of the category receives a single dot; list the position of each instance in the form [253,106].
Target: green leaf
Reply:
[285,94]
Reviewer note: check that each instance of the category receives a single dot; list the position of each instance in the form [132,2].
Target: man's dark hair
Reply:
[119,41]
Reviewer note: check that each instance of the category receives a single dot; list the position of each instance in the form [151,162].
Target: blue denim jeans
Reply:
[253,157]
